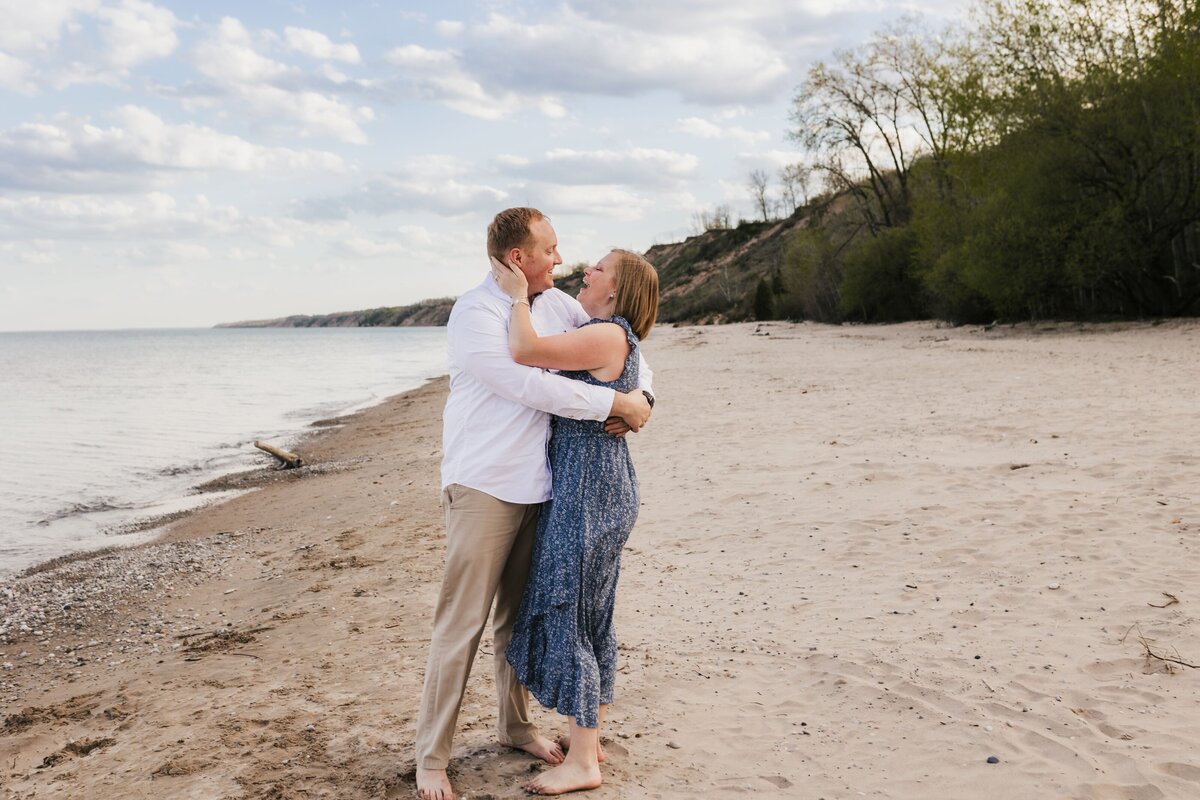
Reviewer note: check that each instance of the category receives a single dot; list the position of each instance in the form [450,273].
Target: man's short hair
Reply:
[509,229]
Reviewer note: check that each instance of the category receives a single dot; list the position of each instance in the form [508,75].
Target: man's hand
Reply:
[631,407]
[615,426]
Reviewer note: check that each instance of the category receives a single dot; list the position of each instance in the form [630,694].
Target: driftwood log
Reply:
[290,460]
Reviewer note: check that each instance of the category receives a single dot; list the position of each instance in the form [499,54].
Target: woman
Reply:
[563,647]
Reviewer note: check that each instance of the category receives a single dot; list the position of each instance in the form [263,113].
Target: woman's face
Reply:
[599,284]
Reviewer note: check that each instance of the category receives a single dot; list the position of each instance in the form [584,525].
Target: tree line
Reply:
[1042,161]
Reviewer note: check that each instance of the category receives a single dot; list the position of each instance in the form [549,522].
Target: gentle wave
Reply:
[87,507]
[104,427]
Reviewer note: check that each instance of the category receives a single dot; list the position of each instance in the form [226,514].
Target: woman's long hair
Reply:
[637,292]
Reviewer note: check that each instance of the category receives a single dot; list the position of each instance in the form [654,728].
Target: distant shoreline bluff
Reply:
[425,313]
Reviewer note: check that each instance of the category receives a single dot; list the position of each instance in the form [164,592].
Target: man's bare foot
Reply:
[543,748]
[565,743]
[432,784]
[567,777]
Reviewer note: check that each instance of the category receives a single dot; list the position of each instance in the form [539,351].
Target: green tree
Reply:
[812,274]
[764,301]
[878,284]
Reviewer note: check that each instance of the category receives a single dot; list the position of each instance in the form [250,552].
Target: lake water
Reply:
[98,429]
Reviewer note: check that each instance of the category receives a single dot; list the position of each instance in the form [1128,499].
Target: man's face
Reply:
[540,257]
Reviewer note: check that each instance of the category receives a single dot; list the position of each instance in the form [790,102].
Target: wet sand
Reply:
[868,559]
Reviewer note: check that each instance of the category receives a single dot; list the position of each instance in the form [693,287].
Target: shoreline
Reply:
[199,496]
[868,559]
[238,484]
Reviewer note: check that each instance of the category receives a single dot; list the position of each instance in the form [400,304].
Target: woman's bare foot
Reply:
[432,784]
[565,743]
[543,748]
[567,777]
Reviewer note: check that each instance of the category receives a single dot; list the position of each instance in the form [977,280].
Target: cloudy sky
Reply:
[185,163]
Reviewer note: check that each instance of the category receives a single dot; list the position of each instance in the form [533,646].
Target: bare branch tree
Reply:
[759,181]
[867,117]
[793,180]
[718,219]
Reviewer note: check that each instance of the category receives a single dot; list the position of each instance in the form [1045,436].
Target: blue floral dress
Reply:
[563,646]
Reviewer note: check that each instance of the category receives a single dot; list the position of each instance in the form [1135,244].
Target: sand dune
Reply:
[868,559]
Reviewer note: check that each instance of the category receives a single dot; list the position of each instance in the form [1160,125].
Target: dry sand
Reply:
[868,559]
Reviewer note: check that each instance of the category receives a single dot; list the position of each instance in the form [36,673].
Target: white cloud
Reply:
[15,74]
[696,126]
[417,57]
[137,31]
[34,26]
[55,215]
[242,254]
[638,166]
[435,184]
[613,184]
[317,45]
[611,202]
[718,64]
[709,52]
[187,251]
[505,64]
[147,219]
[38,252]
[369,248]
[169,252]
[405,240]
[72,42]
[271,90]
[732,112]
[439,76]
[779,22]
[229,56]
[513,162]
[770,160]
[699,127]
[72,154]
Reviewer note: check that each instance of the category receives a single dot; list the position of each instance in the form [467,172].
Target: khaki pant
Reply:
[488,547]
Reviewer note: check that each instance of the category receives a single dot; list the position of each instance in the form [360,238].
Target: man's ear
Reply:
[514,256]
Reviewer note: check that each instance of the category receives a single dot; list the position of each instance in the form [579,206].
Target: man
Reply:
[494,478]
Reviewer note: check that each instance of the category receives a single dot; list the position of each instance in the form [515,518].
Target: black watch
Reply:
[649,398]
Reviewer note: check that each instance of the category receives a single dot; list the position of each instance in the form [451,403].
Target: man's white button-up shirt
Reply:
[496,421]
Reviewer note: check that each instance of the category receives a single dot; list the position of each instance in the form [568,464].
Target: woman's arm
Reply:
[587,348]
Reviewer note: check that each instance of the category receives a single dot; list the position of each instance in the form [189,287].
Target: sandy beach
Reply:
[868,559]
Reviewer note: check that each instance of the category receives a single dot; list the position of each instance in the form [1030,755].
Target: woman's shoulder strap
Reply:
[629,334]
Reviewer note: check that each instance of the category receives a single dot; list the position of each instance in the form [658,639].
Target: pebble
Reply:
[65,598]
[993,760]
[674,745]
[1053,586]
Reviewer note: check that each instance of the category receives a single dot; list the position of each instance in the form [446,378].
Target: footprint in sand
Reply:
[1116,791]
[78,707]
[1114,668]
[1177,770]
[82,747]
[1098,720]
[349,539]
